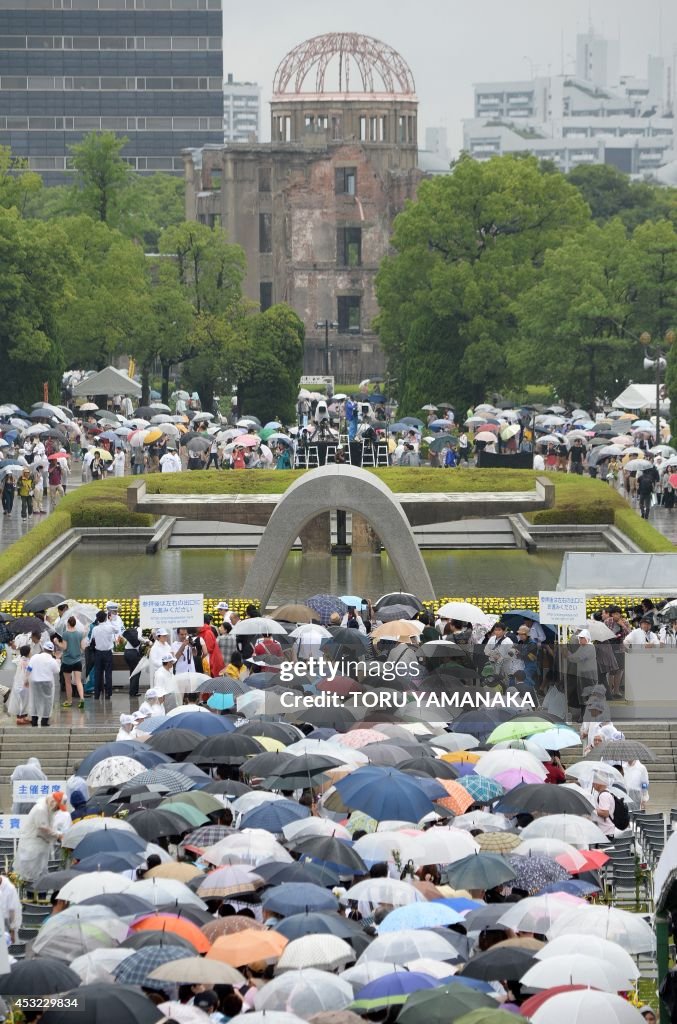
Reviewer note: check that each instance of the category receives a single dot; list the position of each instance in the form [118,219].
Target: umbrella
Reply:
[230,748]
[77,832]
[399,598]
[482,789]
[304,992]
[426,765]
[325,952]
[334,852]
[125,748]
[325,605]
[586,1006]
[274,816]
[119,903]
[497,761]
[110,862]
[98,965]
[40,977]
[569,827]
[196,970]
[479,871]
[390,989]
[258,626]
[384,794]
[534,914]
[629,930]
[622,750]
[392,891]
[509,962]
[295,613]
[576,969]
[171,925]
[497,842]
[419,915]
[94,883]
[135,969]
[296,898]
[41,602]
[108,1004]
[531,873]
[543,798]
[306,872]
[153,824]
[113,771]
[594,946]
[463,611]
[443,1004]
[175,742]
[247,946]
[79,935]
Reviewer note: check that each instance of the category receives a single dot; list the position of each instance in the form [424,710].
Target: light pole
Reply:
[656,358]
[328,325]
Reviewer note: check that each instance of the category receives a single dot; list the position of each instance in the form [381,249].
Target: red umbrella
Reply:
[57,455]
[529,1006]
[342,685]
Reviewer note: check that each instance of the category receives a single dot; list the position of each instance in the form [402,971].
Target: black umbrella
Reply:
[152,824]
[273,730]
[174,741]
[484,917]
[193,914]
[507,963]
[155,937]
[52,881]
[443,1004]
[43,976]
[331,851]
[108,1004]
[225,748]
[144,412]
[346,643]
[315,923]
[227,787]
[41,414]
[480,722]
[479,871]
[541,797]
[275,873]
[200,443]
[429,766]
[41,602]
[121,903]
[307,765]
[392,612]
[25,624]
[271,762]
[400,597]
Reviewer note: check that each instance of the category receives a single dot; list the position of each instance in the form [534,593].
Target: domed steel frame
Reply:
[374,62]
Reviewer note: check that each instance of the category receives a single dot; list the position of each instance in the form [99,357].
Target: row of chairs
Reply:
[308,456]
[650,831]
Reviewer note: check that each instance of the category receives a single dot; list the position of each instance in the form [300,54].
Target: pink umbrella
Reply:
[360,738]
[485,435]
[248,440]
[515,777]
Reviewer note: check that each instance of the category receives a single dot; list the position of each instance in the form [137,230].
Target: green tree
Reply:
[610,193]
[36,264]
[101,175]
[154,202]
[465,252]
[276,338]
[576,322]
[17,184]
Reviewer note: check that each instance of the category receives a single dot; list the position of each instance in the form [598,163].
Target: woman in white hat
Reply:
[126,730]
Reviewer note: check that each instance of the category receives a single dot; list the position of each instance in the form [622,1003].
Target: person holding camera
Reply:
[183,650]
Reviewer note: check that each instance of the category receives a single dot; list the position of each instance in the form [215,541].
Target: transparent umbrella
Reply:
[304,993]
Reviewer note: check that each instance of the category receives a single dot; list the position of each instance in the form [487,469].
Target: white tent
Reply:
[606,572]
[640,396]
[108,381]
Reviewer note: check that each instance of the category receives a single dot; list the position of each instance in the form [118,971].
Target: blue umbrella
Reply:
[482,789]
[221,701]
[110,862]
[391,990]
[110,435]
[127,748]
[399,428]
[273,425]
[206,725]
[351,600]
[480,722]
[120,903]
[420,915]
[274,815]
[572,886]
[460,903]
[296,898]
[516,616]
[325,605]
[385,794]
[134,970]
[440,425]
[412,421]
[109,841]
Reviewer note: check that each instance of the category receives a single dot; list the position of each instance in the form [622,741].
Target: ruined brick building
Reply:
[313,209]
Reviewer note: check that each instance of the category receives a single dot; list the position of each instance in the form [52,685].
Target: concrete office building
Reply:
[151,70]
[241,110]
[313,209]
[593,117]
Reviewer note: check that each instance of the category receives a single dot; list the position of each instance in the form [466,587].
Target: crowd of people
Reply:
[218,859]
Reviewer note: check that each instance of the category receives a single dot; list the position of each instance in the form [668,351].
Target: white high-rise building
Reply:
[594,117]
[241,111]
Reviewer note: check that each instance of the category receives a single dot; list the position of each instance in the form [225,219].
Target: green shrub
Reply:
[108,513]
[572,514]
[19,554]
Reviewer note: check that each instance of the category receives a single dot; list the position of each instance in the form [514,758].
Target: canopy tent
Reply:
[640,396]
[108,381]
[634,574]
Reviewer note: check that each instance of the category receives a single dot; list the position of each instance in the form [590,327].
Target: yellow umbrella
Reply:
[461,757]
[269,743]
[152,435]
[180,872]
[399,629]
[106,456]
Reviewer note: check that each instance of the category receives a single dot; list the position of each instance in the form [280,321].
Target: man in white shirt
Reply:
[160,647]
[604,805]
[102,638]
[10,907]
[113,612]
[642,636]
[636,779]
[164,679]
[539,462]
[43,669]
[183,652]
[499,638]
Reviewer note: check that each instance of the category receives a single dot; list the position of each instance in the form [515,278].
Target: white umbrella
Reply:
[435,968]
[346,755]
[92,883]
[274,1017]
[77,832]
[252,704]
[453,741]
[246,851]
[197,970]
[590,945]
[560,737]
[304,993]
[183,1013]
[248,801]
[160,891]
[463,611]
[497,761]
[636,465]
[482,820]
[325,952]
[584,771]
[99,965]
[544,847]
[386,846]
[75,936]
[315,827]
[576,969]
[597,630]
[407,944]
[188,709]
[189,682]
[383,890]
[361,974]
[446,845]
[536,914]
[629,930]
[312,628]
[113,771]
[587,1006]
[259,626]
[577,831]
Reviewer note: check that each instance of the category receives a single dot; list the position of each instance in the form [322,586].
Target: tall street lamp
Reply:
[327,325]
[655,358]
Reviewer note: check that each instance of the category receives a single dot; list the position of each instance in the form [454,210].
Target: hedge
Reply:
[639,530]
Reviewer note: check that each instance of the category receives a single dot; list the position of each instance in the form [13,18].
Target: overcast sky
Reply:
[449,44]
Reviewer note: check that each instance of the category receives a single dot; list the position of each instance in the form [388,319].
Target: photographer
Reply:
[184,651]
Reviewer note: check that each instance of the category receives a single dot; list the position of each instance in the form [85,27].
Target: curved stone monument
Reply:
[324,490]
